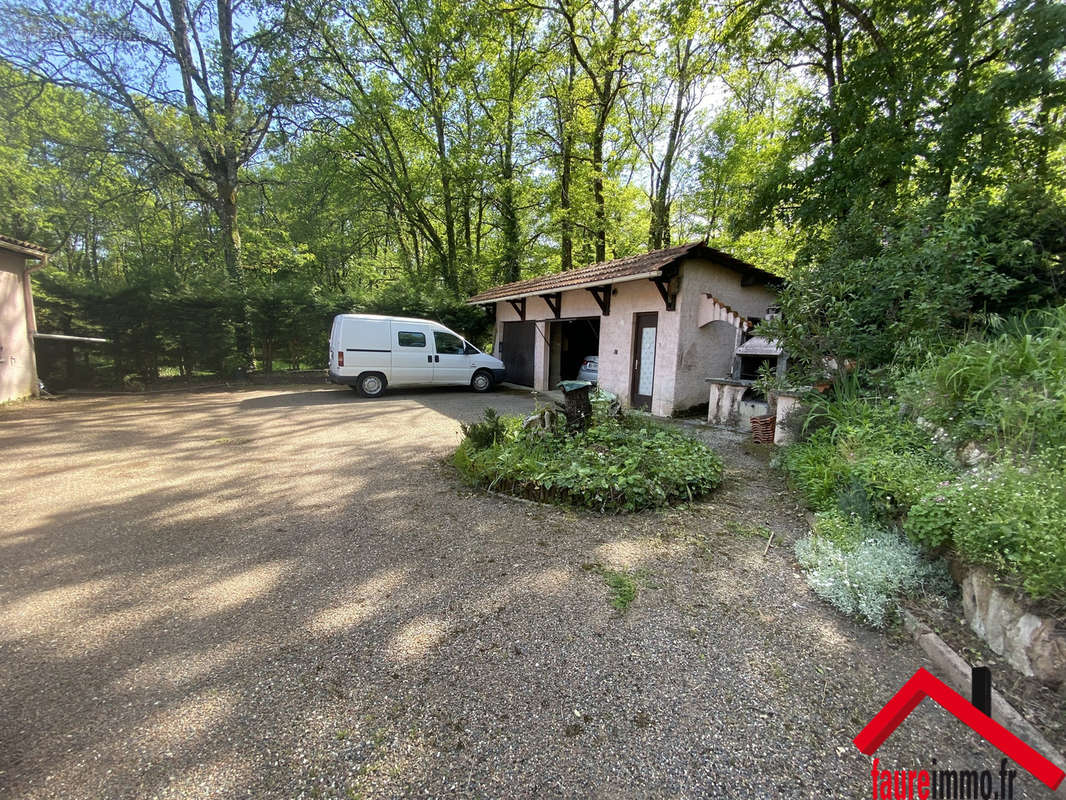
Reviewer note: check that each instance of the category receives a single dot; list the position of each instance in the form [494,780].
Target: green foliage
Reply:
[738,528]
[867,463]
[615,465]
[623,584]
[623,588]
[867,578]
[404,300]
[188,328]
[480,435]
[844,530]
[1011,518]
[864,459]
[926,274]
[1007,392]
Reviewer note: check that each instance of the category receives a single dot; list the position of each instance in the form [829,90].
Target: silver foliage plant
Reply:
[868,580]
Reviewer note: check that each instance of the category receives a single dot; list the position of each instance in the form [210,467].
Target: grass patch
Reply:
[746,529]
[623,585]
[1006,392]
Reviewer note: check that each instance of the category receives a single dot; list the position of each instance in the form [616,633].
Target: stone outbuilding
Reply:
[18,367]
[661,323]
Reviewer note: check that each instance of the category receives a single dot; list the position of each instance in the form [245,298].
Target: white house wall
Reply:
[616,337]
[686,354]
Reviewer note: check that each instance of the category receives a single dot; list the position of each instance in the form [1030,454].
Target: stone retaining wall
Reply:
[1033,645]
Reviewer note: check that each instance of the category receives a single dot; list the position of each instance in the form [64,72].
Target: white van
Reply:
[369,352]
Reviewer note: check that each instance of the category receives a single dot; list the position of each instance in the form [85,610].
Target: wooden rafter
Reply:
[667,286]
[555,302]
[602,295]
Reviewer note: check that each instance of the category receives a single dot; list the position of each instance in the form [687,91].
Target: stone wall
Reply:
[1033,645]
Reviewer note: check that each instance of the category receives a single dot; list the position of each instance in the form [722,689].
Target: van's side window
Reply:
[448,344]
[410,339]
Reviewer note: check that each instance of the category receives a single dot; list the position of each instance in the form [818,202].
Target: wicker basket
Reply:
[762,429]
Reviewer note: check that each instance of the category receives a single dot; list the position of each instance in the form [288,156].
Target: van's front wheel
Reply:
[371,384]
[482,381]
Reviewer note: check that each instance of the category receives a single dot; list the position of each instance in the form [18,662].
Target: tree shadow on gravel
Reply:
[235,595]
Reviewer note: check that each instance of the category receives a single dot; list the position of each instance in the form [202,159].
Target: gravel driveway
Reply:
[288,593]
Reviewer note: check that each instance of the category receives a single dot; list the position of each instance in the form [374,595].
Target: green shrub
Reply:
[868,578]
[616,465]
[1008,392]
[817,470]
[846,531]
[867,460]
[485,433]
[1011,518]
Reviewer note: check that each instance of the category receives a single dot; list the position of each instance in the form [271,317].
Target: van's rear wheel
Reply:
[371,384]
[482,381]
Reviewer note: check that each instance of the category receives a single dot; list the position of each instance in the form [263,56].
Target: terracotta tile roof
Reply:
[648,265]
[18,246]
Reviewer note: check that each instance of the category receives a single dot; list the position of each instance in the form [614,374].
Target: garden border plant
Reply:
[620,463]
[878,463]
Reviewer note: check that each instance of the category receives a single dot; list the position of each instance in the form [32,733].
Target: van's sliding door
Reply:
[412,353]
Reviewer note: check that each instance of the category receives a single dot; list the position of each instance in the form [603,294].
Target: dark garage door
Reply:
[516,351]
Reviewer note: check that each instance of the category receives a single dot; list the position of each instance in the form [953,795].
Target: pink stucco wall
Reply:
[616,337]
[707,352]
[686,354]
[16,364]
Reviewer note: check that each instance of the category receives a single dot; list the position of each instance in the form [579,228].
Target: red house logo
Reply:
[924,684]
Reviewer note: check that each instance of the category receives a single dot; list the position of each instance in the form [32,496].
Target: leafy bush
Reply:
[616,465]
[867,460]
[925,273]
[843,530]
[485,433]
[868,578]
[1008,391]
[1011,518]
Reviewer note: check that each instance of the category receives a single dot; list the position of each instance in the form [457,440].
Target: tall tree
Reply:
[504,102]
[604,38]
[670,89]
[198,82]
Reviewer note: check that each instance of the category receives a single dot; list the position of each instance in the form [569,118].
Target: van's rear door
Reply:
[412,353]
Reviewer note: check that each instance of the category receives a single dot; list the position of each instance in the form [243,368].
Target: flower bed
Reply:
[626,464]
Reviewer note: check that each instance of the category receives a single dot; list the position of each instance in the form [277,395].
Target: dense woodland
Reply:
[218,179]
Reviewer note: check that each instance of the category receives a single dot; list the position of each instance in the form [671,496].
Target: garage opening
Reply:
[572,341]
[516,351]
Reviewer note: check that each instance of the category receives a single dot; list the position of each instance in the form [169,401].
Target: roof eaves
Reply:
[478,300]
[24,248]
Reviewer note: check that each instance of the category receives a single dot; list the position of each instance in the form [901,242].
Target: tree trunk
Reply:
[509,215]
[659,234]
[566,138]
[597,189]
[450,278]
[231,250]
